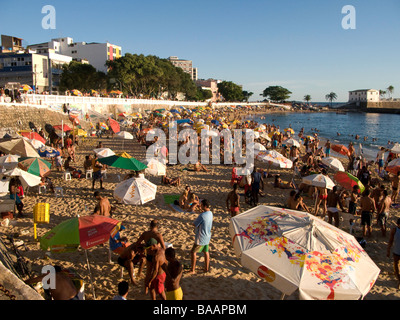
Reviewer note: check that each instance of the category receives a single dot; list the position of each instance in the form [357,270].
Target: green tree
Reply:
[307,98]
[331,97]
[230,91]
[247,95]
[390,90]
[276,93]
[82,77]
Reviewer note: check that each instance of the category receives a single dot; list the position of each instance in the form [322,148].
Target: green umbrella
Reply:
[123,163]
[36,166]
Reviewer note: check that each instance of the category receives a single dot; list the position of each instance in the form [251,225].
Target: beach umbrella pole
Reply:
[282,296]
[90,274]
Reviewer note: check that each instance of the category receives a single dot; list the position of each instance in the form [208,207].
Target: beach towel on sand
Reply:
[171,198]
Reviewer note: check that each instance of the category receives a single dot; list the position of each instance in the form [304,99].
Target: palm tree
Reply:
[382,93]
[390,90]
[307,98]
[331,96]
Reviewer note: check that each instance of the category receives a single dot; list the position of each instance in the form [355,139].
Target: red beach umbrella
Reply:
[33,135]
[114,125]
[64,128]
[339,148]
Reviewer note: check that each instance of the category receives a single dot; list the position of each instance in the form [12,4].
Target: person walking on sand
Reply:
[256,183]
[395,186]
[203,226]
[332,201]
[174,270]
[383,212]
[394,240]
[368,208]
[232,201]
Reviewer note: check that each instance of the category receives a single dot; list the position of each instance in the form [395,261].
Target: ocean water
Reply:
[382,127]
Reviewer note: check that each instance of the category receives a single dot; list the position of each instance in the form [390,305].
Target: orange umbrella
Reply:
[33,135]
[339,148]
[114,125]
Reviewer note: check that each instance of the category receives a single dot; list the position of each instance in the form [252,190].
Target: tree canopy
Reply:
[276,93]
[82,77]
[230,91]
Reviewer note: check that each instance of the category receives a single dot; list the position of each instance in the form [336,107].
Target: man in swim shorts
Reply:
[155,282]
[383,213]
[368,207]
[173,270]
[232,201]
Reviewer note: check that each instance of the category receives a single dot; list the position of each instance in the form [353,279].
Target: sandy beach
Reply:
[227,279]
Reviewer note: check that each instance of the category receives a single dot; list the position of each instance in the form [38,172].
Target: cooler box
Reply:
[41,213]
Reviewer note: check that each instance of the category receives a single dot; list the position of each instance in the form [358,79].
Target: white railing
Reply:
[39,99]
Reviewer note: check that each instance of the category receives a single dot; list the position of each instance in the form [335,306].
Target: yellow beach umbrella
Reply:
[124,155]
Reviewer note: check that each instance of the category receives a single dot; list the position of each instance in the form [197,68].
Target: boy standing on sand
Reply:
[203,225]
[232,201]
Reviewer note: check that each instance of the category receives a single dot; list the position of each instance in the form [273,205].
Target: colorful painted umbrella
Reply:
[123,163]
[36,166]
[340,149]
[33,135]
[348,181]
[25,87]
[294,250]
[135,191]
[393,166]
[103,126]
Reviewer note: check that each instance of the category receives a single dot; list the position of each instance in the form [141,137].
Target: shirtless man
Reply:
[131,256]
[368,207]
[184,196]
[232,201]
[153,233]
[322,199]
[354,196]
[154,282]
[395,186]
[383,212]
[103,207]
[332,201]
[174,271]
[64,287]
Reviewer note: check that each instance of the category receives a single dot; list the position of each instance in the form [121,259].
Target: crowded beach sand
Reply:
[226,279]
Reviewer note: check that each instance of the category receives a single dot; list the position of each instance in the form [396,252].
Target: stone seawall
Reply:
[375,107]
[15,118]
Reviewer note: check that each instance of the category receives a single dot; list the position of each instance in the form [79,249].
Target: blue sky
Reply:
[299,45]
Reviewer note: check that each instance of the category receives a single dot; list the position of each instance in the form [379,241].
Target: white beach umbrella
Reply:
[275,159]
[36,143]
[292,142]
[265,136]
[294,250]
[257,147]
[9,161]
[124,135]
[333,163]
[395,148]
[135,191]
[155,167]
[319,180]
[104,152]
[27,179]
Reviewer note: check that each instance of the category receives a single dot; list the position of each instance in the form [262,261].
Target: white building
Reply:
[364,95]
[97,54]
[185,65]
